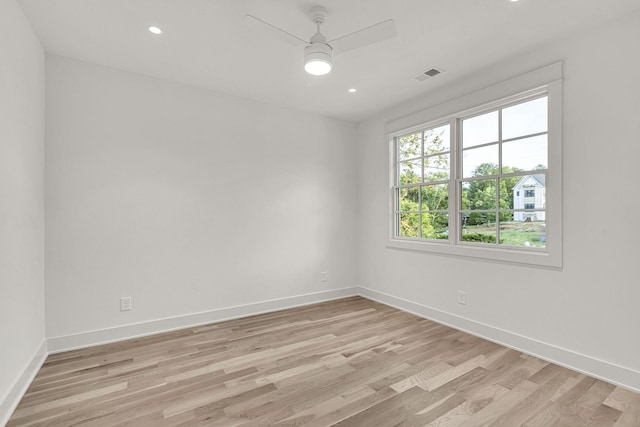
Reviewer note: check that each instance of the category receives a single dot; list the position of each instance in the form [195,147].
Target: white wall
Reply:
[186,200]
[590,308]
[21,200]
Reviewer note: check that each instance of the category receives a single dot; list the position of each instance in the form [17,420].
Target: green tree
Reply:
[506,192]
[410,223]
[409,146]
[415,152]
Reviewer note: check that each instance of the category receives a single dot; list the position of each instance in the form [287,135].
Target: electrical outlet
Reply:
[462,297]
[323,276]
[125,304]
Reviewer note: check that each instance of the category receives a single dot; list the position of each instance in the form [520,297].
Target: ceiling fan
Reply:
[318,52]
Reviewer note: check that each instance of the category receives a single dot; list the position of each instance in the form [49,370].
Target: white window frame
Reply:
[544,81]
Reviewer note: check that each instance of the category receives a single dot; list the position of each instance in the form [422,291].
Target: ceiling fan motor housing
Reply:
[317,53]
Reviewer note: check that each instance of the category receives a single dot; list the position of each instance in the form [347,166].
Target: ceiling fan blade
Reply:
[251,20]
[366,36]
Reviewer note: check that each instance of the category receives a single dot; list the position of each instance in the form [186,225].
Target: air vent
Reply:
[432,72]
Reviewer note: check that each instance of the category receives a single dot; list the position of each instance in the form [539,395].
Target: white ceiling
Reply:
[207,43]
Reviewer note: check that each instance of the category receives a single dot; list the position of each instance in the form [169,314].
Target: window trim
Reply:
[547,80]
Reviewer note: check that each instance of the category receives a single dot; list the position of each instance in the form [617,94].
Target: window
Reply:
[423,183]
[478,183]
[502,149]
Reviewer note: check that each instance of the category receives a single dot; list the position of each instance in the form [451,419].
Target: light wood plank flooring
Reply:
[351,362]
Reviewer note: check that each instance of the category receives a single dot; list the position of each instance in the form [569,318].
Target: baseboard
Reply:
[10,402]
[618,375]
[120,333]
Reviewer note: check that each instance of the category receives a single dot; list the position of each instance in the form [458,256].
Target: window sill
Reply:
[479,252]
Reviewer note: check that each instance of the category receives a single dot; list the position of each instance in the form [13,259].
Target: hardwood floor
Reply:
[351,362]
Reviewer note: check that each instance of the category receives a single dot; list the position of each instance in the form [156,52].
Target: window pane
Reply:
[409,199]
[410,172]
[480,161]
[479,195]
[478,227]
[435,226]
[523,229]
[525,154]
[435,197]
[529,192]
[480,129]
[436,168]
[525,119]
[436,140]
[409,224]
[409,146]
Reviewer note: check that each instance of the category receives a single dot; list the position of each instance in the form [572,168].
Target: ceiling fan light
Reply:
[317,59]
[317,67]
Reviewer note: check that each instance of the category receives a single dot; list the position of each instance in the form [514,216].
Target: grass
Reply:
[513,233]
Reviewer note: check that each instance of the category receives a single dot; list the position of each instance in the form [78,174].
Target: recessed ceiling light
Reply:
[155,30]
[352,90]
